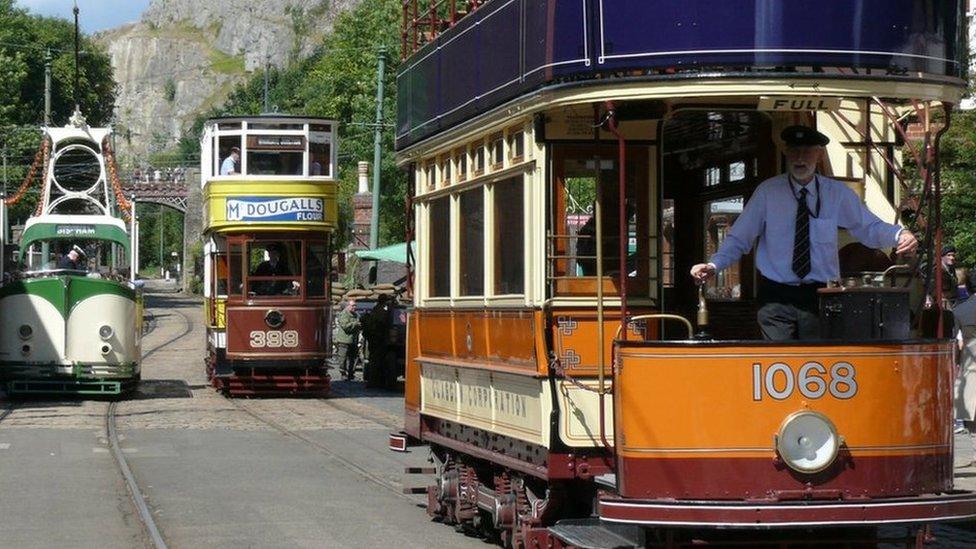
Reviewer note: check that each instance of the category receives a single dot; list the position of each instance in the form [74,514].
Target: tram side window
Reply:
[275,155]
[316,272]
[220,268]
[319,158]
[227,164]
[440,247]
[235,269]
[509,237]
[472,242]
[581,176]
[274,268]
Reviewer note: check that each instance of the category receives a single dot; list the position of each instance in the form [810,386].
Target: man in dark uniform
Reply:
[376,328]
[273,266]
[74,260]
[794,218]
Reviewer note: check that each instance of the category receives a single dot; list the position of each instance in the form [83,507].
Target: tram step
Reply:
[420,470]
[69,387]
[592,533]
[410,490]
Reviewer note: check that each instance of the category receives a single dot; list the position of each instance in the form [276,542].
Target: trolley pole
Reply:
[267,69]
[47,88]
[374,222]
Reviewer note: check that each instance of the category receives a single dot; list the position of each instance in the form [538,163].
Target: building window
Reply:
[472,247]
[509,237]
[479,159]
[461,161]
[446,171]
[497,151]
[439,261]
[516,146]
[430,175]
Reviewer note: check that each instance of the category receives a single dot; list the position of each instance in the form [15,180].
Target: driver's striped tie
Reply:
[801,237]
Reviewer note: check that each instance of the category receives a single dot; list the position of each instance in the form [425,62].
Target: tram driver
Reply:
[74,260]
[795,217]
[274,265]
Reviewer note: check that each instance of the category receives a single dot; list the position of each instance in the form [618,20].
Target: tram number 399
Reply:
[779,381]
[274,339]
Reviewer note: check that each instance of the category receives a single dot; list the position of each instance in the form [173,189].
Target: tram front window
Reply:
[274,163]
[316,260]
[274,268]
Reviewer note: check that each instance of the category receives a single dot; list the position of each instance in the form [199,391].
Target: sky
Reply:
[96,15]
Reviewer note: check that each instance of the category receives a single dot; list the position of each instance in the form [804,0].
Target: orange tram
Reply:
[269,189]
[568,168]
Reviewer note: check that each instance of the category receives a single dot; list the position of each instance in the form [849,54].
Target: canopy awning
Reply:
[394,252]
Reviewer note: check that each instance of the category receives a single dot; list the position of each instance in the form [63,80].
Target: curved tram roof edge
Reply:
[694,87]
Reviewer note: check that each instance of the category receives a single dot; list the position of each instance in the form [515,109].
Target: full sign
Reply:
[275,209]
[799,103]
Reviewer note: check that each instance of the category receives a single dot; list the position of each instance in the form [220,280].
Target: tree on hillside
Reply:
[24,39]
[339,82]
[958,153]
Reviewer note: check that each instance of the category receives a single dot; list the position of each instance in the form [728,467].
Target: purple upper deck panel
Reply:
[511,47]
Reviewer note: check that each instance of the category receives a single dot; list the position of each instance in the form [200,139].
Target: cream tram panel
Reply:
[512,405]
[84,344]
[579,424]
[47,343]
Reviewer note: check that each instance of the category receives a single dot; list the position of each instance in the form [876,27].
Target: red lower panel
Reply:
[278,384]
[796,514]
[764,478]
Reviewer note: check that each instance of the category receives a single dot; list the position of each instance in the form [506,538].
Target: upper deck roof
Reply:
[507,48]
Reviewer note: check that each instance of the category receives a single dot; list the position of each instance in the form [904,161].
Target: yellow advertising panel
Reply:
[270,205]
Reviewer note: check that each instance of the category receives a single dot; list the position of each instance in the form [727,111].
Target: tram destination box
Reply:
[864,313]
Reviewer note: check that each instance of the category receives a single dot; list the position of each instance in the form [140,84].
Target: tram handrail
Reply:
[660,316]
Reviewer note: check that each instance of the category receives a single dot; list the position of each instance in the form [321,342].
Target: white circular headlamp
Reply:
[25,331]
[106,332]
[808,442]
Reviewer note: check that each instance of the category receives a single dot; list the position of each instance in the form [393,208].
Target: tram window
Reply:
[509,237]
[274,163]
[720,214]
[226,164]
[667,243]
[229,126]
[319,159]
[235,270]
[316,260]
[274,126]
[472,242]
[581,175]
[274,268]
[440,247]
[430,175]
[220,268]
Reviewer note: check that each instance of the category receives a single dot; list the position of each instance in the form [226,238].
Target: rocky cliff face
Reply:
[185,56]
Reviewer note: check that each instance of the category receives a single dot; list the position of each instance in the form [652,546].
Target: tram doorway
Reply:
[711,162]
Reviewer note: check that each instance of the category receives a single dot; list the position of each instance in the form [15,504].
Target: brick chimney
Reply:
[362,203]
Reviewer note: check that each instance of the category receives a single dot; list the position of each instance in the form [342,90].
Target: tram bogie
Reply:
[551,367]
[270,194]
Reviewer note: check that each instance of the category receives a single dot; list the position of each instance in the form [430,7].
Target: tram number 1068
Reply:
[274,339]
[779,381]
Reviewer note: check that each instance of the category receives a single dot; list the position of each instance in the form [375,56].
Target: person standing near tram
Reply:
[793,219]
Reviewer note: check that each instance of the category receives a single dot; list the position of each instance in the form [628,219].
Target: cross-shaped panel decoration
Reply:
[570,358]
[567,325]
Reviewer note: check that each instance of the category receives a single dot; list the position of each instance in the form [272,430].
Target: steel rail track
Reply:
[324,449]
[112,435]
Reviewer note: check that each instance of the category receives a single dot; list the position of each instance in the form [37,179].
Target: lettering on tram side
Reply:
[812,380]
[266,208]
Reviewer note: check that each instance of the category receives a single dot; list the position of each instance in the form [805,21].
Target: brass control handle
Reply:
[702,307]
